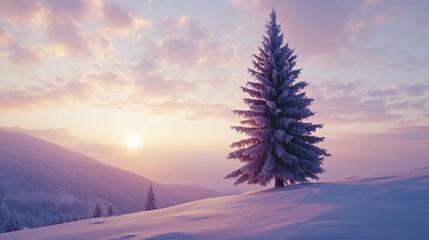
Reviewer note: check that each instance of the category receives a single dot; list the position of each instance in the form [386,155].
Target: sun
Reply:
[132,141]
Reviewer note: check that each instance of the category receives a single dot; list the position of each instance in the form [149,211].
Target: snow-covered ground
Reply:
[394,206]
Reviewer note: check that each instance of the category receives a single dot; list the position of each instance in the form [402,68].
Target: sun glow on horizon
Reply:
[132,141]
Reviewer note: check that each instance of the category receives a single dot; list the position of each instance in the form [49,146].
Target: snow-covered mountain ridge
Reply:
[45,183]
[394,206]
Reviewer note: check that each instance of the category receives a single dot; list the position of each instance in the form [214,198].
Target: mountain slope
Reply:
[383,207]
[35,172]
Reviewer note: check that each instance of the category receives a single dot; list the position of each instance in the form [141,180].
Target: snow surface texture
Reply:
[384,207]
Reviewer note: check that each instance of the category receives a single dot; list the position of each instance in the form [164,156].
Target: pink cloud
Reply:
[20,99]
[61,22]
[155,84]
[393,150]
[140,91]
[64,32]
[45,94]
[336,32]
[116,16]
[358,101]
[73,9]
[193,109]
[5,38]
[101,44]
[386,17]
[191,53]
[172,25]
[183,26]
[109,80]
[313,29]
[179,51]
[26,55]
[189,44]
[373,2]
[19,10]
[121,21]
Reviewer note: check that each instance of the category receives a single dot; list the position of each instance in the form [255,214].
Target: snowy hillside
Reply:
[383,207]
[40,180]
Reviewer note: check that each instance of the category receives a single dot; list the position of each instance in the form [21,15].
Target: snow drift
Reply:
[395,206]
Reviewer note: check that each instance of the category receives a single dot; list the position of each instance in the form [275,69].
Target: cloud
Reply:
[191,53]
[60,19]
[45,94]
[183,26]
[121,21]
[65,32]
[76,10]
[27,55]
[354,29]
[5,38]
[373,2]
[157,85]
[101,44]
[118,17]
[346,34]
[138,91]
[318,28]
[359,101]
[179,51]
[19,99]
[172,25]
[193,109]
[62,24]
[21,11]
[187,43]
[394,150]
[416,90]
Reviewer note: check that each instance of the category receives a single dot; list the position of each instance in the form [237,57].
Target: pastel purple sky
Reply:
[85,74]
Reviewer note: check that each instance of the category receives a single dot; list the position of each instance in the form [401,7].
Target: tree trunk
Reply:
[279,183]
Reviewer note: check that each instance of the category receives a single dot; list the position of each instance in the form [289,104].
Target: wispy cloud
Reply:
[364,154]
[360,101]
[27,55]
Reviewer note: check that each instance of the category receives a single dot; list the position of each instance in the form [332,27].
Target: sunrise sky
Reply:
[149,86]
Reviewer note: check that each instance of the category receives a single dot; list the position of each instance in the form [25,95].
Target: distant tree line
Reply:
[16,215]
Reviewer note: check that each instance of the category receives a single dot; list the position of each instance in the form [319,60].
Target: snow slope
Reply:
[383,207]
[36,172]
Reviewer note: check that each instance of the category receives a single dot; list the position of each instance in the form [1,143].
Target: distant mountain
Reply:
[391,206]
[41,180]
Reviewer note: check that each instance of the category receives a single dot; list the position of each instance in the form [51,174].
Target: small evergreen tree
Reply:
[110,211]
[150,200]
[280,144]
[97,211]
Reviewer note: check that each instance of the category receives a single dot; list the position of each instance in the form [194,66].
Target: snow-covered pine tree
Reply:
[4,216]
[12,223]
[110,211]
[150,200]
[97,211]
[280,145]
